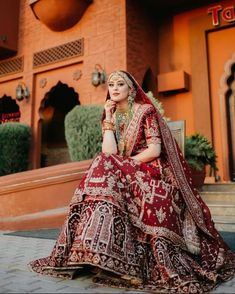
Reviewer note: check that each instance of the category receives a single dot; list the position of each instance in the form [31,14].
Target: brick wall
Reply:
[102,27]
[142,31]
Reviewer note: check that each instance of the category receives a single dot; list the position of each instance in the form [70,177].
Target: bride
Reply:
[135,220]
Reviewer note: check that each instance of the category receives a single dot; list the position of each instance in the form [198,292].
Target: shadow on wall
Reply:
[9,110]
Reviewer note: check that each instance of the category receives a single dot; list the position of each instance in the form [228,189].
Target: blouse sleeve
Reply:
[151,128]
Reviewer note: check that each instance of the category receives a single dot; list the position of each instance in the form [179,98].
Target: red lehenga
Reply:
[141,220]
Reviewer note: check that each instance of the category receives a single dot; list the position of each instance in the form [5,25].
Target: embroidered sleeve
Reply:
[151,128]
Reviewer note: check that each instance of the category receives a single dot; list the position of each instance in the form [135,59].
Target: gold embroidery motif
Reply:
[160,215]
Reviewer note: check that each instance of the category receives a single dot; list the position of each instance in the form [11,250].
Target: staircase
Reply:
[220,198]
[39,198]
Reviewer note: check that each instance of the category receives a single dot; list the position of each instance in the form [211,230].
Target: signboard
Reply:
[218,12]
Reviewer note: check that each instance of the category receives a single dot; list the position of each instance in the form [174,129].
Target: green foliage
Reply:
[15,141]
[83,131]
[199,153]
[157,104]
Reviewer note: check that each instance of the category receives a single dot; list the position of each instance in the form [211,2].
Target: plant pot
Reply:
[198,177]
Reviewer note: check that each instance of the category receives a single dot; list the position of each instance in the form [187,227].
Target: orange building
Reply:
[184,53]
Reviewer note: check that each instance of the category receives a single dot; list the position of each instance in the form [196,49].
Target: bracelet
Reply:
[108,129]
[108,121]
[108,125]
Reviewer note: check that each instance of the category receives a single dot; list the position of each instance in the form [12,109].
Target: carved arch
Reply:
[57,102]
[226,84]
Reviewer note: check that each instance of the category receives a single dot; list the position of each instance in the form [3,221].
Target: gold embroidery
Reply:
[160,215]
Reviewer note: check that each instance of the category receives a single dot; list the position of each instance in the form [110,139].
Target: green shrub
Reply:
[83,131]
[15,141]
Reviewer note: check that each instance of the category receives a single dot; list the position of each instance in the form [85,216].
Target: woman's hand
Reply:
[109,108]
[153,151]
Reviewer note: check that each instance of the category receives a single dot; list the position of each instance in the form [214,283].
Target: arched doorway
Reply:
[9,110]
[230,115]
[221,57]
[227,103]
[54,107]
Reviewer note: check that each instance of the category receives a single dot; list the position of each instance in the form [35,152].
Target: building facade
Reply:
[184,54]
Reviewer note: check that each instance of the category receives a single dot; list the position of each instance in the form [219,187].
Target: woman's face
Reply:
[118,88]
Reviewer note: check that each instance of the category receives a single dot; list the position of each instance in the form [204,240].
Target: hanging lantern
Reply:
[98,76]
[19,93]
[22,91]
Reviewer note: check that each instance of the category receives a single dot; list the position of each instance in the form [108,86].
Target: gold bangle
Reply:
[108,129]
[108,121]
[108,125]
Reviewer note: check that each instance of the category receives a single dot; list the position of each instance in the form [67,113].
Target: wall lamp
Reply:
[98,77]
[22,91]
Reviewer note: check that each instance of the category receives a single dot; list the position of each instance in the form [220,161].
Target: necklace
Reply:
[121,123]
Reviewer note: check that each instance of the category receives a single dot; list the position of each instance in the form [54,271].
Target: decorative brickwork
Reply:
[11,66]
[68,56]
[141,38]
[58,53]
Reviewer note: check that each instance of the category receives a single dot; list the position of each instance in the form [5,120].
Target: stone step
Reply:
[219,187]
[51,218]
[220,199]
[221,208]
[224,223]
[218,196]
[35,199]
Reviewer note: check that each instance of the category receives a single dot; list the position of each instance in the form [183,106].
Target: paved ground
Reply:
[15,277]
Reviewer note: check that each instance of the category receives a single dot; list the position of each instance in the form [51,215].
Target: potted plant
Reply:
[199,153]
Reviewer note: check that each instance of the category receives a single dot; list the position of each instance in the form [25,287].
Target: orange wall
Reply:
[183,46]
[103,28]
[175,52]
[174,55]
[220,49]
[141,38]
[9,26]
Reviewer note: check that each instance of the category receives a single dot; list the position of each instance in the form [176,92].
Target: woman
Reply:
[135,219]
